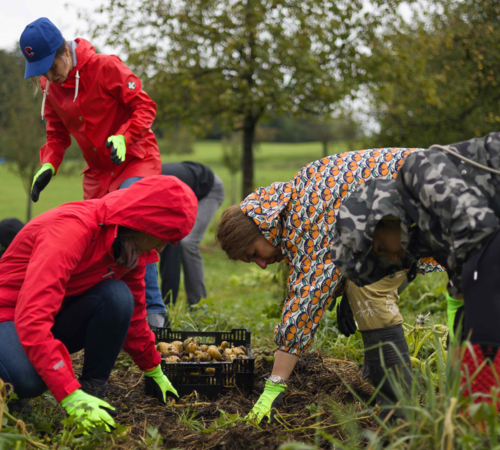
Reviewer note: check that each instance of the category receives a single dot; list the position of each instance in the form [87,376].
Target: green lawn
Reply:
[273,162]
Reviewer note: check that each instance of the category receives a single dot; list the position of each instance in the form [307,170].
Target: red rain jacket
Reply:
[67,250]
[109,101]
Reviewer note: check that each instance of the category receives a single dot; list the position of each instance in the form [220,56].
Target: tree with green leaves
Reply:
[436,79]
[329,129]
[238,61]
[22,131]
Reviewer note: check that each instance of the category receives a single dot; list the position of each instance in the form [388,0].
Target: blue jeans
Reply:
[154,302]
[97,321]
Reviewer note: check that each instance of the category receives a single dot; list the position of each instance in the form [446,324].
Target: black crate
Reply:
[187,377]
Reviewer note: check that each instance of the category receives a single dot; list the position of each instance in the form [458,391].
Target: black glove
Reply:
[345,319]
[41,180]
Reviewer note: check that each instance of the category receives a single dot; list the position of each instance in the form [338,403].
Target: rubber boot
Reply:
[487,377]
[395,361]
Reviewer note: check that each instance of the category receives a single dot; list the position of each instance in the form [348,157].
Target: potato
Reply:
[178,346]
[204,357]
[229,351]
[224,344]
[172,359]
[163,348]
[192,343]
[197,352]
[225,356]
[213,351]
[204,348]
[191,347]
[210,371]
[240,350]
[185,358]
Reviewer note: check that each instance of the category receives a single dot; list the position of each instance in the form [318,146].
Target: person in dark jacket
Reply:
[444,204]
[8,230]
[209,190]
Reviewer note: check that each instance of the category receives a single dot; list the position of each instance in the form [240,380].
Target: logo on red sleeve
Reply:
[131,85]
[28,51]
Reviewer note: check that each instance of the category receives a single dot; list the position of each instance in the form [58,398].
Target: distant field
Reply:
[274,162]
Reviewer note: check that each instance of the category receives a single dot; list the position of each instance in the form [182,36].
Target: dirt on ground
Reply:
[195,422]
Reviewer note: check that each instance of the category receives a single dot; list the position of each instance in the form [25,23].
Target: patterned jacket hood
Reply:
[265,206]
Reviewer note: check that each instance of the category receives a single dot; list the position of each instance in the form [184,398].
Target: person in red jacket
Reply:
[73,278]
[99,101]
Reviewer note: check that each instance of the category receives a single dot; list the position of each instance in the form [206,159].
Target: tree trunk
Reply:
[247,157]
[325,149]
[234,189]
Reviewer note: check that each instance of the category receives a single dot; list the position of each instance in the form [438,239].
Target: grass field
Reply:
[274,162]
[240,295]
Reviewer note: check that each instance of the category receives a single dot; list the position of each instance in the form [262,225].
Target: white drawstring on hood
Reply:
[45,93]
[77,77]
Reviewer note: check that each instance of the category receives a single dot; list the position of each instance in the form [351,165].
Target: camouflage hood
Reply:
[356,222]
[448,195]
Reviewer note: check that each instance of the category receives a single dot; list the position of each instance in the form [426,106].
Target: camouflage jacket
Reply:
[448,209]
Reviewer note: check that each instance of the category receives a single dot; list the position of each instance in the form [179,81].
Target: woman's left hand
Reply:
[157,385]
[118,147]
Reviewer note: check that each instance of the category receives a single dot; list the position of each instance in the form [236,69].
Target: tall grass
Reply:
[438,412]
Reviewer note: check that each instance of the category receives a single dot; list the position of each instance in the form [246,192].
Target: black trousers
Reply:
[170,271]
[481,288]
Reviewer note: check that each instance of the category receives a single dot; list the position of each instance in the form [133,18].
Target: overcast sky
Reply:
[16,14]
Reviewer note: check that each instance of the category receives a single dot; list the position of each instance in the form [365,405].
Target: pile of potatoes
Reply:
[191,351]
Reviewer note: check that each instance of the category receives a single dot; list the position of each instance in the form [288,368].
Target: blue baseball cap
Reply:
[39,43]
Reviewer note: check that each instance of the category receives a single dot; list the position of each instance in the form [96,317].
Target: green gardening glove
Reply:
[118,148]
[93,410]
[453,306]
[41,180]
[157,385]
[268,403]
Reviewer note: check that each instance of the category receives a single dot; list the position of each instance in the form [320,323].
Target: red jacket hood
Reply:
[84,51]
[161,206]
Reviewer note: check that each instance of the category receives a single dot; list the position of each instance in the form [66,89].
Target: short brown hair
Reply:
[236,232]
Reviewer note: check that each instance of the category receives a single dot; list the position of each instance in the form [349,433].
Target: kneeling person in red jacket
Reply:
[73,279]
